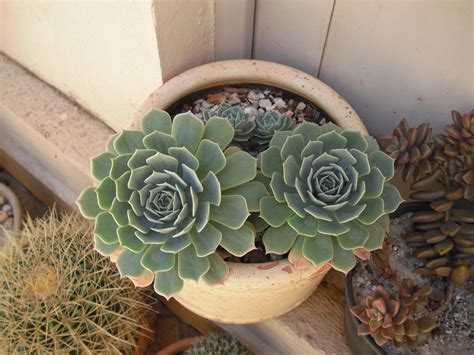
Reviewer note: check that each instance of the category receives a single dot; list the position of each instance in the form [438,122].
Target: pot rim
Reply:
[250,71]
[12,199]
[404,208]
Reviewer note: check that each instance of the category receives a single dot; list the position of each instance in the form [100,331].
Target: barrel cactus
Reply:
[167,196]
[330,198]
[218,343]
[60,297]
[269,123]
[243,124]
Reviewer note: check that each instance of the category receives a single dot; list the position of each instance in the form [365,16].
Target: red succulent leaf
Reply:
[408,171]
[388,333]
[372,313]
[361,253]
[399,329]
[368,301]
[374,325]
[411,328]
[457,117]
[358,310]
[363,329]
[466,121]
[379,304]
[403,144]
[468,177]
[387,321]
[415,154]
[403,128]
[380,292]
[393,306]
[401,317]
[465,133]
[379,339]
[403,158]
[452,131]
[424,133]
[412,136]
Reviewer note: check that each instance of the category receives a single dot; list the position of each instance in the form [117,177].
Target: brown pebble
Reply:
[2,200]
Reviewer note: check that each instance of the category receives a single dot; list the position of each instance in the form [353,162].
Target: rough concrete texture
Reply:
[76,133]
[104,54]
[46,141]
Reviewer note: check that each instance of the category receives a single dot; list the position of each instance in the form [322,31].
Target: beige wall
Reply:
[389,58]
[103,54]
[395,59]
[185,32]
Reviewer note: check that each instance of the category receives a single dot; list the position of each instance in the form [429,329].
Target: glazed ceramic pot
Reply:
[253,292]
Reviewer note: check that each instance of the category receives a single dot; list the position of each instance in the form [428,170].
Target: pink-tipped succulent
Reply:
[381,316]
[385,319]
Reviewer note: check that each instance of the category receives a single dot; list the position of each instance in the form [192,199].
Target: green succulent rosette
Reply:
[167,196]
[243,124]
[267,124]
[330,195]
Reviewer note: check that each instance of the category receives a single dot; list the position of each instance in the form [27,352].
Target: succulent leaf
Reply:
[269,123]
[168,196]
[327,182]
[241,121]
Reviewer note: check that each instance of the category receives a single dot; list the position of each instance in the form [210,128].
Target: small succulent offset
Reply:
[167,196]
[218,343]
[385,319]
[330,198]
[243,124]
[267,124]
[410,147]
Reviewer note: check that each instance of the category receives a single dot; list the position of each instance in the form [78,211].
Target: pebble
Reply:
[252,96]
[6,208]
[233,99]
[301,106]
[3,216]
[251,110]
[280,104]
[265,103]
[2,200]
[206,105]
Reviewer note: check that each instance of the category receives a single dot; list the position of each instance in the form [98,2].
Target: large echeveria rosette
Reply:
[167,196]
[330,195]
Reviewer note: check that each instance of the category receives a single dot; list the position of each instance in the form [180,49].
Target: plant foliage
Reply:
[168,196]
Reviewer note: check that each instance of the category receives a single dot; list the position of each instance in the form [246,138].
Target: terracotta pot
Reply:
[232,72]
[179,346]
[253,292]
[10,196]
